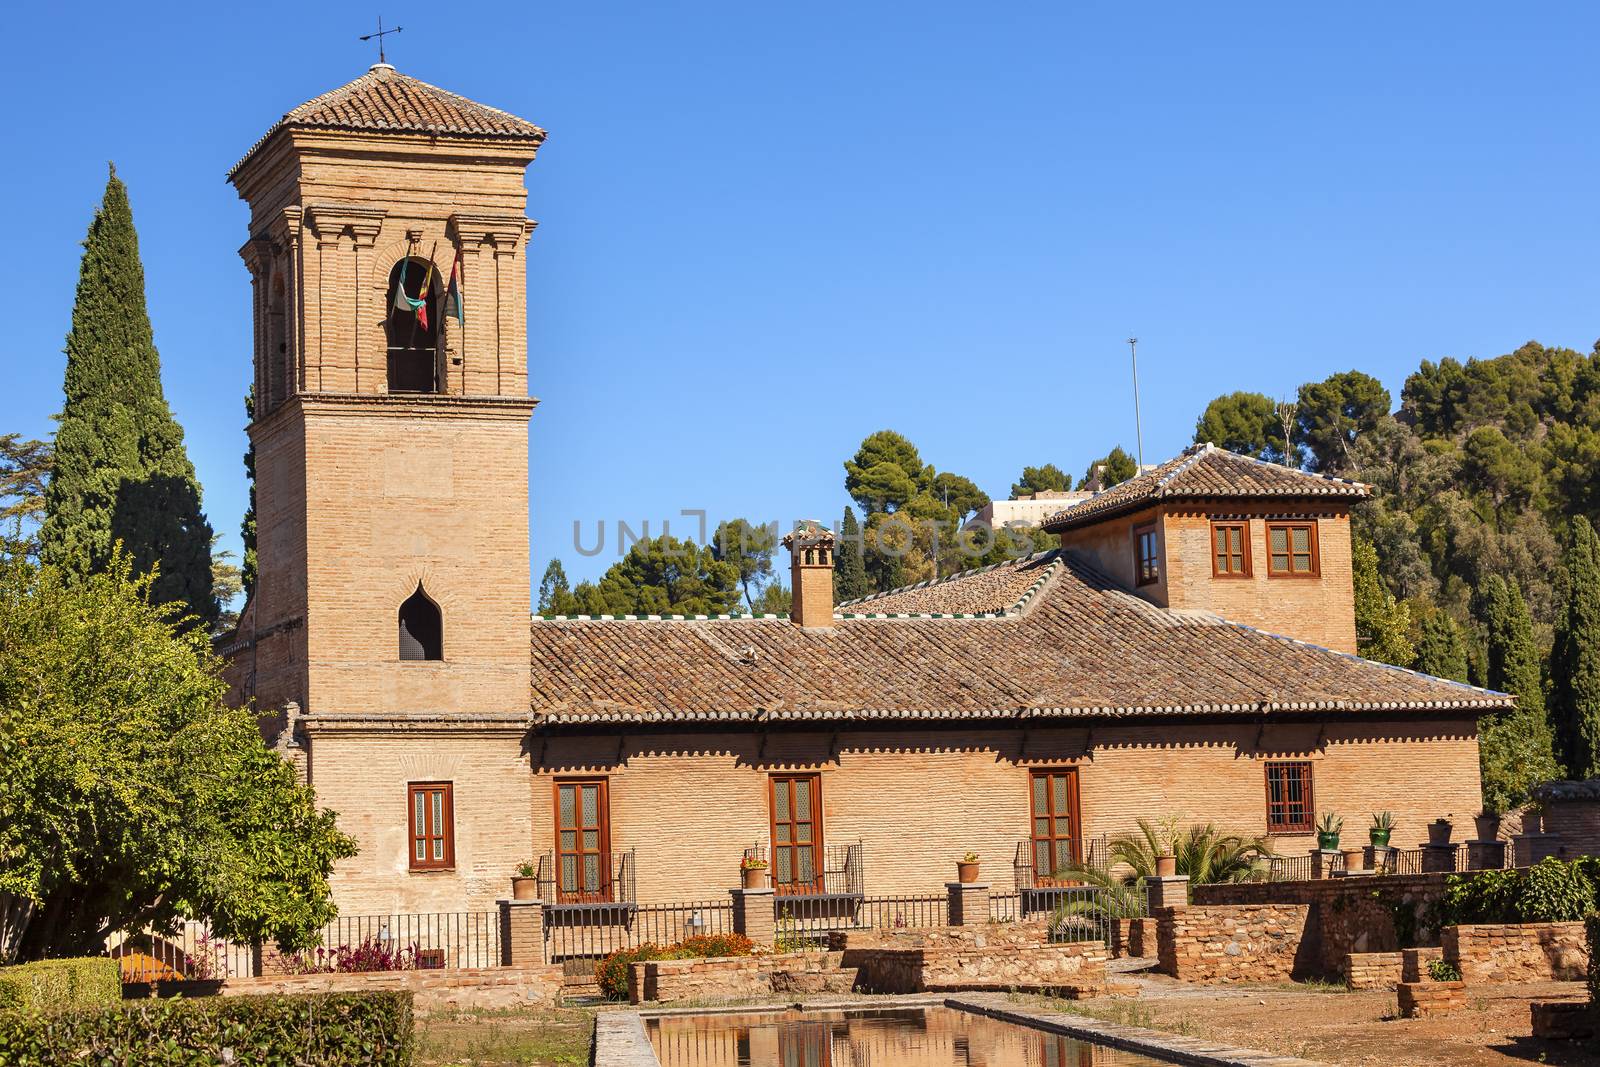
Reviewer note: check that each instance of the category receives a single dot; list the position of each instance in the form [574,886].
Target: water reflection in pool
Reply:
[915,1037]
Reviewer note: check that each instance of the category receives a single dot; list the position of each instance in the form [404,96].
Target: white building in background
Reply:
[1032,510]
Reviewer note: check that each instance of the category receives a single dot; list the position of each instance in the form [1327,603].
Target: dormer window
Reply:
[1292,550]
[1146,561]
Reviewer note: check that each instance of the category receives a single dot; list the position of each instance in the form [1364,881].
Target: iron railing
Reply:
[1075,913]
[614,882]
[580,935]
[189,954]
[842,873]
[420,941]
[805,921]
[1028,873]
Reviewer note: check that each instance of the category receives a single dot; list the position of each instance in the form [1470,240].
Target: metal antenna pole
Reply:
[1138,425]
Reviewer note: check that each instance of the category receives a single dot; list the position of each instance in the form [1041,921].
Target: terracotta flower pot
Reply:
[966,872]
[1354,859]
[1488,826]
[1166,866]
[1439,831]
[754,877]
[524,888]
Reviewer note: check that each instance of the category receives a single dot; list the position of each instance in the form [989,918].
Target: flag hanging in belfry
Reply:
[452,296]
[402,302]
[422,304]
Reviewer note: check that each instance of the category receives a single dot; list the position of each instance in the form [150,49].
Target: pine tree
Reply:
[121,472]
[1382,623]
[554,589]
[1575,660]
[1515,751]
[849,566]
[1441,652]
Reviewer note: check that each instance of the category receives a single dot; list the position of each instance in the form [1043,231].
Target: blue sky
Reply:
[769,230]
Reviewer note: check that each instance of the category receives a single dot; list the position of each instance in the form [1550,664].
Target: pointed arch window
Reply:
[413,328]
[421,628]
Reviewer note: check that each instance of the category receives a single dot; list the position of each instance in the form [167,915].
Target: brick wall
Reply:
[468,989]
[1372,970]
[1231,943]
[992,956]
[1345,914]
[1521,952]
[738,977]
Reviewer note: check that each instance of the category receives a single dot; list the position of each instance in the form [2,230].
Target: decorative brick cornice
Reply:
[256,253]
[439,405]
[504,232]
[331,221]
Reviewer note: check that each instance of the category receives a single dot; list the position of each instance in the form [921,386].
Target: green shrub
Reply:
[1549,891]
[611,973]
[715,946]
[1443,971]
[1555,892]
[1480,898]
[1591,932]
[51,984]
[283,1030]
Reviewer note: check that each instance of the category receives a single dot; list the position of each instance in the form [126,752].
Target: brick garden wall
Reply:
[1372,970]
[738,977]
[1522,952]
[1345,914]
[1231,943]
[992,956]
[475,988]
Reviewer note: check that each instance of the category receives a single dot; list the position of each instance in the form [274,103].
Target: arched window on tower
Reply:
[421,628]
[413,331]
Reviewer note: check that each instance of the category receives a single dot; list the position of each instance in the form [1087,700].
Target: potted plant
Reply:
[524,884]
[967,868]
[1439,831]
[1382,826]
[1328,828]
[1166,865]
[1488,825]
[753,872]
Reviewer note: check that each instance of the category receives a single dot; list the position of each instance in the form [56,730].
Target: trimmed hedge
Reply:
[280,1030]
[49,985]
[1549,891]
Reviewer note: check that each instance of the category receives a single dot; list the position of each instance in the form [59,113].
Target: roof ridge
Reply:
[929,583]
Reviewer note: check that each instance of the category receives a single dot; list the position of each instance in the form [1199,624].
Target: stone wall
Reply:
[738,977]
[1372,970]
[1231,943]
[1346,914]
[993,956]
[467,989]
[1521,952]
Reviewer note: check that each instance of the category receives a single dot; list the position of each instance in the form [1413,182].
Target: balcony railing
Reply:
[842,873]
[609,881]
[1096,852]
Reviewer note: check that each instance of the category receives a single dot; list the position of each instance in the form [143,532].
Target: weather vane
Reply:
[380,35]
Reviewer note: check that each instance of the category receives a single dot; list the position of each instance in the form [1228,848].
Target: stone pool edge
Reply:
[620,1039]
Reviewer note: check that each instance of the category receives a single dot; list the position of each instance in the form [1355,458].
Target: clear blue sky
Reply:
[768,230]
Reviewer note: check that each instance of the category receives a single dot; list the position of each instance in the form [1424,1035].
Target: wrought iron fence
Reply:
[842,874]
[805,921]
[613,881]
[1032,869]
[191,953]
[1075,913]
[402,941]
[580,935]
[1289,868]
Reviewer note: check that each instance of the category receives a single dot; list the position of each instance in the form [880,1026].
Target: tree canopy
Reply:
[133,795]
[1246,423]
[1575,662]
[658,576]
[750,549]
[1046,479]
[1114,468]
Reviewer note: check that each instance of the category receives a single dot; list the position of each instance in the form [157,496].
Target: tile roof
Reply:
[1205,471]
[385,99]
[986,591]
[1077,646]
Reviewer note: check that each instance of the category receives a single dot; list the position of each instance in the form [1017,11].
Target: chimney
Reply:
[810,548]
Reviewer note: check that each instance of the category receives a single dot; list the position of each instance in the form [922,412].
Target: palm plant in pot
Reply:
[1328,828]
[525,883]
[967,868]
[753,872]
[1382,826]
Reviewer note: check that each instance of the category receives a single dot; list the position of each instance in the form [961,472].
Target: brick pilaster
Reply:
[1438,859]
[521,932]
[753,915]
[1168,892]
[968,903]
[1486,855]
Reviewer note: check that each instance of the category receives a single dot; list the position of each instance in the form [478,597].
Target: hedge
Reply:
[611,973]
[280,1030]
[52,984]
[1549,891]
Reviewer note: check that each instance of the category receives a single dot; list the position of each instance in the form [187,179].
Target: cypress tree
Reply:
[121,472]
[1440,652]
[247,525]
[1382,623]
[1575,660]
[1516,751]
[849,566]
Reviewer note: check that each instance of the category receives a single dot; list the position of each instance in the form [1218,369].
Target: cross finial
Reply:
[380,35]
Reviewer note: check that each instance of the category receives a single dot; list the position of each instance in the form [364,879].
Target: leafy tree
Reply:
[776,599]
[1575,663]
[662,576]
[961,496]
[1333,414]
[1246,423]
[24,472]
[885,473]
[133,795]
[1516,751]
[247,525]
[553,588]
[1114,468]
[1046,479]
[1382,622]
[121,472]
[1441,651]
[849,565]
[750,549]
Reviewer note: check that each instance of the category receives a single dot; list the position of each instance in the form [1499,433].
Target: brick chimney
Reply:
[810,548]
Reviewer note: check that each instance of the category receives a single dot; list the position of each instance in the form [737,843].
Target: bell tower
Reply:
[387,233]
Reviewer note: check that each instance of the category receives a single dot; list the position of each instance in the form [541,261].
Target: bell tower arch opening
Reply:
[413,325]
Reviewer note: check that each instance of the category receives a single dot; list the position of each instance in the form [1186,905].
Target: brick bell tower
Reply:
[391,428]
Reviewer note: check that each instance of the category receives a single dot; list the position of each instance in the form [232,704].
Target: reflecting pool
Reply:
[902,1037]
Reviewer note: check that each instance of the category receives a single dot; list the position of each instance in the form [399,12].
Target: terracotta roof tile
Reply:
[979,592]
[1205,471]
[385,99]
[1079,646]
